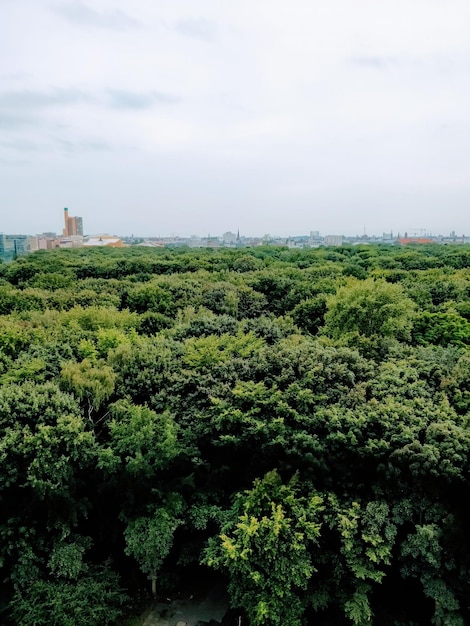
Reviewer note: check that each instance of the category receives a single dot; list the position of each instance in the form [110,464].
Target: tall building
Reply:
[73,225]
[13,245]
[333,240]
[79,225]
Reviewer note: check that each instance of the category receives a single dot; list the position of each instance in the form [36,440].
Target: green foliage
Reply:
[67,558]
[310,314]
[155,403]
[149,297]
[149,537]
[54,453]
[15,336]
[204,352]
[266,550]
[370,307]
[144,440]
[32,403]
[92,384]
[152,323]
[141,367]
[456,383]
[93,598]
[367,539]
[441,329]
[247,263]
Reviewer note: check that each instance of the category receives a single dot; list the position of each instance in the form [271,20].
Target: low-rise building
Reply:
[103,240]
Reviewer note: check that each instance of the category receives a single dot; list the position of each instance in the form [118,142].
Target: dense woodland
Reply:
[295,422]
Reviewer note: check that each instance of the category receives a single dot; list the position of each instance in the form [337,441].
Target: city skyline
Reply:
[184,118]
[73,227]
[73,236]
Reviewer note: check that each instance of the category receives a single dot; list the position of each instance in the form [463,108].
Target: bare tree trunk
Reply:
[154,588]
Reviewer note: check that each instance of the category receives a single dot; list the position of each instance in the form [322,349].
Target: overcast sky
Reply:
[268,116]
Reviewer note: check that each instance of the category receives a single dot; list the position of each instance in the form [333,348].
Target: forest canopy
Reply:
[293,421]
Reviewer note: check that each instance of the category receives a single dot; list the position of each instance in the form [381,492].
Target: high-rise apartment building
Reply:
[73,225]
[79,225]
[12,245]
[333,240]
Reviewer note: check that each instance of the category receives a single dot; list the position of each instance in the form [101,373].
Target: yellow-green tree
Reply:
[266,548]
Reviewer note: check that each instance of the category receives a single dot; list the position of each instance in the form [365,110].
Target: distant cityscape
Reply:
[72,236]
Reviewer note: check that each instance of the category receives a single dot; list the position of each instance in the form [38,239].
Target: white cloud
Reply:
[258,108]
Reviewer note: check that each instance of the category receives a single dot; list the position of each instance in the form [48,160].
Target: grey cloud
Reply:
[33,100]
[20,145]
[96,146]
[14,122]
[435,63]
[87,145]
[199,28]
[14,76]
[19,108]
[13,162]
[121,99]
[374,62]
[81,13]
[23,109]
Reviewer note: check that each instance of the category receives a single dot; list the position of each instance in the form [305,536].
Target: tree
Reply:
[94,597]
[369,307]
[149,537]
[145,441]
[142,367]
[266,548]
[310,314]
[91,383]
[441,329]
[367,537]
